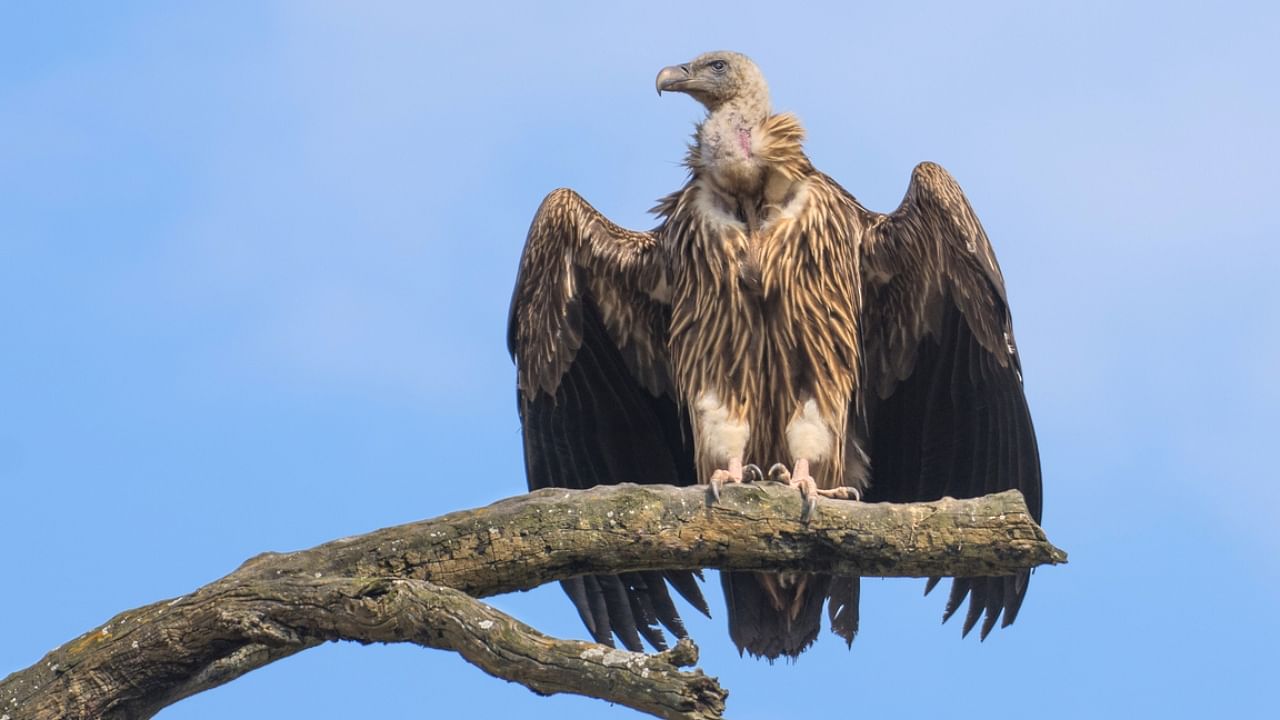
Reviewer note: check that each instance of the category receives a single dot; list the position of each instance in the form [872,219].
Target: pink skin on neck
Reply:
[744,140]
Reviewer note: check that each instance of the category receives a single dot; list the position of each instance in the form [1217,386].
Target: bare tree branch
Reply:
[386,587]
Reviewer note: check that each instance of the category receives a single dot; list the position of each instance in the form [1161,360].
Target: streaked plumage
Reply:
[768,318]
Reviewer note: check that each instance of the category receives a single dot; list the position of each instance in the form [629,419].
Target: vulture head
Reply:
[719,79]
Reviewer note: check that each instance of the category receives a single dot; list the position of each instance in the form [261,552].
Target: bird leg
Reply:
[718,478]
[736,473]
[809,490]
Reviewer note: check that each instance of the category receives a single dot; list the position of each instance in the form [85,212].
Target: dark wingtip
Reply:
[988,624]
[618,606]
[931,584]
[685,583]
[1014,596]
[1010,614]
[959,589]
[575,588]
[977,602]
[652,607]
[997,592]
[654,636]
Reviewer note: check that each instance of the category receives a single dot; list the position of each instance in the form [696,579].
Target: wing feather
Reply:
[942,386]
[590,349]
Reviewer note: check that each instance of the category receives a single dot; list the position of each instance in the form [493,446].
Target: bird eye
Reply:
[719,65]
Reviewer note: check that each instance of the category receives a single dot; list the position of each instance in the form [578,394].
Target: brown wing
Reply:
[595,406]
[942,389]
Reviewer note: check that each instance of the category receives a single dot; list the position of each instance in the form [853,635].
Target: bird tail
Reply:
[772,615]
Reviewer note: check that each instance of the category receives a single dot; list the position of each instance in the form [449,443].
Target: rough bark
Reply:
[414,583]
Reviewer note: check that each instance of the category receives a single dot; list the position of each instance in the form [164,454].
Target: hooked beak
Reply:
[674,78]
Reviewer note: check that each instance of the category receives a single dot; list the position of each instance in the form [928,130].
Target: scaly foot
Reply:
[718,478]
[809,490]
[736,473]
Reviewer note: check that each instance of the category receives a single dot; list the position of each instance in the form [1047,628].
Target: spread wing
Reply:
[942,389]
[589,342]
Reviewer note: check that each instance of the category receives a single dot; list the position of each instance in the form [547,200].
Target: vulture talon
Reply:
[752,473]
[720,477]
[843,492]
[779,473]
[808,487]
[808,492]
[801,480]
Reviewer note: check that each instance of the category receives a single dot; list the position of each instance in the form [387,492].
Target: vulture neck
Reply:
[748,160]
[727,142]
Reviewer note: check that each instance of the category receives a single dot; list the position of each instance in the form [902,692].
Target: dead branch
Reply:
[416,582]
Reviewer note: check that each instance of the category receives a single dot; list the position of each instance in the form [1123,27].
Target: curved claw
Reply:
[808,486]
[715,484]
[809,494]
[780,474]
[751,473]
[842,493]
[720,477]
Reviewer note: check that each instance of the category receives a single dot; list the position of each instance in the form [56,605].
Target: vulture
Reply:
[769,320]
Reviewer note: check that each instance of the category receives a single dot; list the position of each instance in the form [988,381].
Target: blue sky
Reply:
[255,261]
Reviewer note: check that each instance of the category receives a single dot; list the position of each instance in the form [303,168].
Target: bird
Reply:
[769,319]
